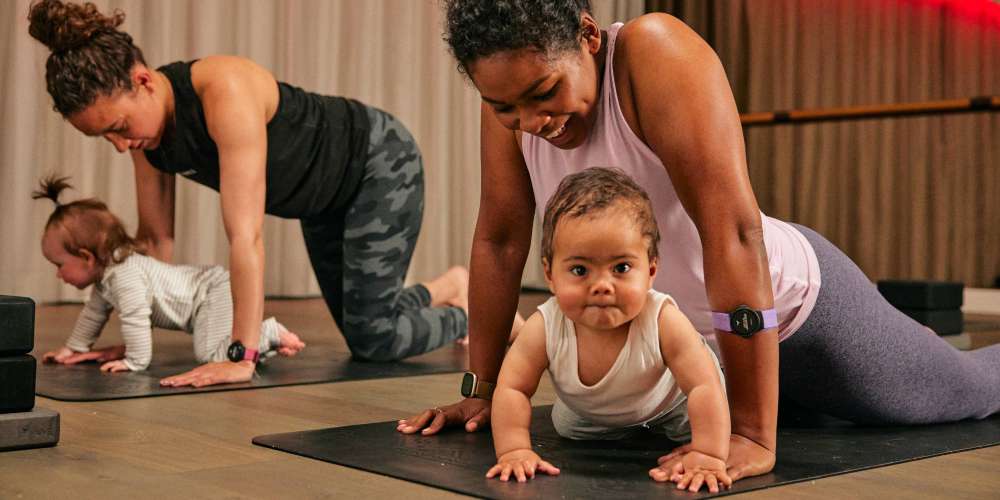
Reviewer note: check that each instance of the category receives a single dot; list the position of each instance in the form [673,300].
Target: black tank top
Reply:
[316,147]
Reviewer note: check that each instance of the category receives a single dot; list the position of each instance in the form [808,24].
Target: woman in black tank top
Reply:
[267,147]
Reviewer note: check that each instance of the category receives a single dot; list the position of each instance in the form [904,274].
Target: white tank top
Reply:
[638,387]
[793,266]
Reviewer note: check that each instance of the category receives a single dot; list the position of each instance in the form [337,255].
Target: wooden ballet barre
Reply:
[974,104]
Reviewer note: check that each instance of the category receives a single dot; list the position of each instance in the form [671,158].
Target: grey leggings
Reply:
[858,358]
[360,255]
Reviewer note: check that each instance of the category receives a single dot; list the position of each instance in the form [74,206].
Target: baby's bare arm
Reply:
[690,361]
[519,375]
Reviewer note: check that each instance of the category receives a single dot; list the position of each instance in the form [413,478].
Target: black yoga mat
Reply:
[85,382]
[458,461]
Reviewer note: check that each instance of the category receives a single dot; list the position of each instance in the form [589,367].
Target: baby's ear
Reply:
[653,266]
[547,268]
[88,256]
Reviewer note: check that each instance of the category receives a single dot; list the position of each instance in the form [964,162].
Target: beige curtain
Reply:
[905,197]
[388,53]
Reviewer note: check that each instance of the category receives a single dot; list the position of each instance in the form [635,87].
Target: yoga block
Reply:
[17,325]
[943,322]
[922,294]
[17,383]
[29,429]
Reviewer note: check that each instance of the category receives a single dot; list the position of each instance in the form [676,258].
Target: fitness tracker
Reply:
[744,321]
[237,353]
[472,387]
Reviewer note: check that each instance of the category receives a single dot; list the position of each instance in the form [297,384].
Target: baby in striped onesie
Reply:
[89,246]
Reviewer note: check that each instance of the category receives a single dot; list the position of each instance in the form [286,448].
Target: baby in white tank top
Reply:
[622,357]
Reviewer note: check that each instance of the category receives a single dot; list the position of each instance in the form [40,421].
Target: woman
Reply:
[560,95]
[351,173]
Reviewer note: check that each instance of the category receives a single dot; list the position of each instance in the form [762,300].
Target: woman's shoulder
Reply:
[224,74]
[656,38]
[224,69]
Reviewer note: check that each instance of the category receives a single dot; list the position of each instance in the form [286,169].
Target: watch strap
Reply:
[720,320]
[251,355]
[483,390]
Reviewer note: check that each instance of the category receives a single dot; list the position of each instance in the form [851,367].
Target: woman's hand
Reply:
[522,464]
[746,458]
[473,412]
[220,372]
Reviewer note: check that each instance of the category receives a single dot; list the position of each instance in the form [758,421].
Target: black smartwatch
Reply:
[237,352]
[744,321]
[472,387]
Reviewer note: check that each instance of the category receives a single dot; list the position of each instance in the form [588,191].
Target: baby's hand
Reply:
[693,470]
[58,356]
[115,366]
[522,463]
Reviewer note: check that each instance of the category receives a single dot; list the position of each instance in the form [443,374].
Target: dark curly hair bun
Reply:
[480,28]
[90,55]
[65,26]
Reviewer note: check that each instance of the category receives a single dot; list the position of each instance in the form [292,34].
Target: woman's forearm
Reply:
[161,249]
[736,272]
[246,261]
[494,286]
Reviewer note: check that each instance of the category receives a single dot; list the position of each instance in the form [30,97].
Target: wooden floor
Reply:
[198,446]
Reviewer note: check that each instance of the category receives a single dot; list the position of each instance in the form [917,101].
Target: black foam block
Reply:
[943,322]
[914,294]
[457,460]
[17,325]
[31,429]
[17,383]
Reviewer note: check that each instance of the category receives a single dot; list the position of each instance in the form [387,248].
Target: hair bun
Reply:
[64,26]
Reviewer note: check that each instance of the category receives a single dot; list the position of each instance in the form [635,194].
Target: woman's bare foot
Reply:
[450,289]
[289,343]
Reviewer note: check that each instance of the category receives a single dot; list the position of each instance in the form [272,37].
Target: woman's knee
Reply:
[373,340]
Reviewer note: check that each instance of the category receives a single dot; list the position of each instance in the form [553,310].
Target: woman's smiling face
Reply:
[551,96]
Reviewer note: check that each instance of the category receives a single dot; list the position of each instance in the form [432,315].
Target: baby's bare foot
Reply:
[289,343]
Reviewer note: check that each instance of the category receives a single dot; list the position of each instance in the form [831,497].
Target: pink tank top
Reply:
[794,270]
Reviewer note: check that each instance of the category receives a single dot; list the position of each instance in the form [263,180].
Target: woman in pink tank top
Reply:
[560,95]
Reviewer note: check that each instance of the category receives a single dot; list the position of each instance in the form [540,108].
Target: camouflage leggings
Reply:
[360,255]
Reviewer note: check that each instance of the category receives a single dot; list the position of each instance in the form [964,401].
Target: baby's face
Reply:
[80,272]
[600,270]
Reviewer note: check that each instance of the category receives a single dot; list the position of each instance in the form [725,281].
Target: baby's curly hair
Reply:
[479,28]
[596,189]
[88,224]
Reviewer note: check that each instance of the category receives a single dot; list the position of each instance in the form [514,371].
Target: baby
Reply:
[89,246]
[622,356]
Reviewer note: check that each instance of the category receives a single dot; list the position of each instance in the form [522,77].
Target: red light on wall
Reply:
[981,12]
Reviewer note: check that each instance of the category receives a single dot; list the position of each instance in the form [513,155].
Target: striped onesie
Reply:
[148,293]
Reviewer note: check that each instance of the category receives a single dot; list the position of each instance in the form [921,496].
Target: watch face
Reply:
[467,382]
[235,352]
[745,321]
